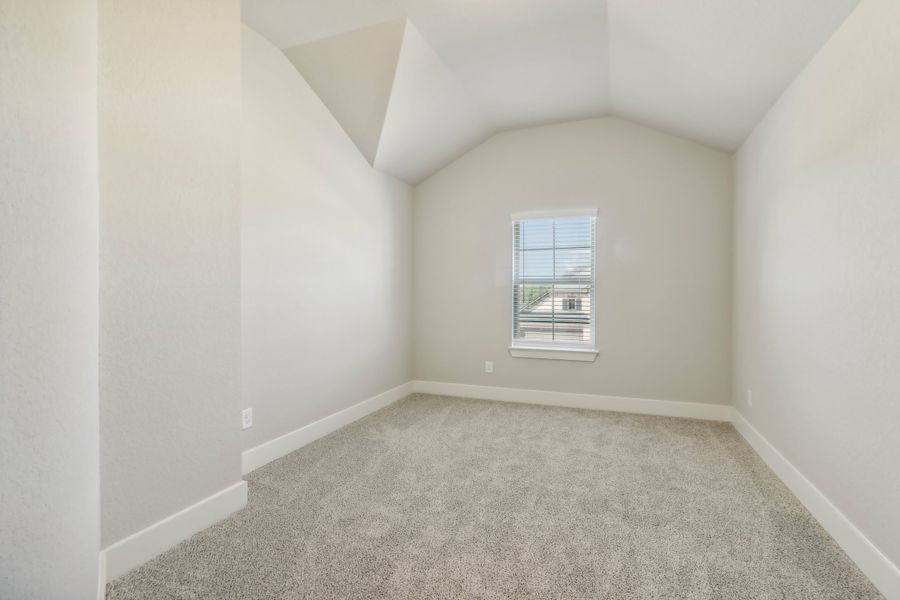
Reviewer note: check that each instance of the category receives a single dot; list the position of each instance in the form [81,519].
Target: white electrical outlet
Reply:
[247,418]
[749,397]
[488,366]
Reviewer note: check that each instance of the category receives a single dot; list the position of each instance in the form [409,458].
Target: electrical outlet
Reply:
[247,418]
[488,366]
[749,397]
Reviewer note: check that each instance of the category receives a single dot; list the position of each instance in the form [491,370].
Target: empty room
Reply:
[414,299]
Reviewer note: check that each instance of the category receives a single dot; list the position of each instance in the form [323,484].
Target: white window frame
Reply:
[555,350]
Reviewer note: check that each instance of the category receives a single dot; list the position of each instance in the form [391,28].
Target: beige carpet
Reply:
[448,498]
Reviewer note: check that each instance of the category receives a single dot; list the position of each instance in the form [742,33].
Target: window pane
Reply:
[536,233]
[573,313]
[573,232]
[536,264]
[534,313]
[573,263]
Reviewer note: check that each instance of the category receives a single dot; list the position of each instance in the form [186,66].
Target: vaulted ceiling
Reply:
[416,83]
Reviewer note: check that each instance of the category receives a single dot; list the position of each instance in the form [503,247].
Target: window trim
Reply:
[554,353]
[555,350]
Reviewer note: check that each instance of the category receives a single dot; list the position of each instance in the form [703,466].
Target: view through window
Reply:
[553,281]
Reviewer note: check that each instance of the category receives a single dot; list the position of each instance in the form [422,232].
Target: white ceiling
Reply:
[704,69]
[710,69]
[430,116]
[347,67]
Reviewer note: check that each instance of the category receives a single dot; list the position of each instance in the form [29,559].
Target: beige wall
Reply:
[49,472]
[663,260]
[169,114]
[326,297]
[817,273]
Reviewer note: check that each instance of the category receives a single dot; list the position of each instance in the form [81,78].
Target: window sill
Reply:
[577,354]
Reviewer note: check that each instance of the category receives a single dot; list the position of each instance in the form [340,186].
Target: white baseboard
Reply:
[642,406]
[877,567]
[267,452]
[140,547]
[101,577]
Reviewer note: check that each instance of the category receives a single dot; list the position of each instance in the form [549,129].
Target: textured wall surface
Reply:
[817,273]
[169,113]
[663,260]
[325,257]
[50,488]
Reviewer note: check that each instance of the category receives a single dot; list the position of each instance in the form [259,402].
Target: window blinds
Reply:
[553,280]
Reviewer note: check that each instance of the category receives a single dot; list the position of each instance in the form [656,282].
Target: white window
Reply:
[572,304]
[553,285]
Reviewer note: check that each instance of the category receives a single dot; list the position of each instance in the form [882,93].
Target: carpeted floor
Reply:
[448,498]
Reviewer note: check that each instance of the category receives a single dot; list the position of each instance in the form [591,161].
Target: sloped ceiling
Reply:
[417,82]
[349,67]
[430,117]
